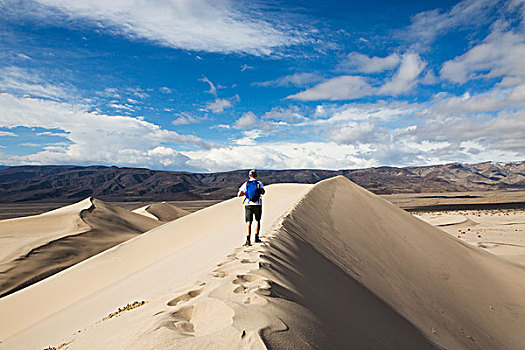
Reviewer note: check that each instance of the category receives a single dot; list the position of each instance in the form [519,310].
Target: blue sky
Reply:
[205,85]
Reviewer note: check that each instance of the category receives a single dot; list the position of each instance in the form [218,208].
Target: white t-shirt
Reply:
[247,201]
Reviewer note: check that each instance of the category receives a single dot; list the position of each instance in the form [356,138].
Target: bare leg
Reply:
[249,233]
[257,230]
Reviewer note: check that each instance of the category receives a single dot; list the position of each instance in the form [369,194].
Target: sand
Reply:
[20,235]
[498,231]
[339,268]
[163,211]
[149,266]
[486,200]
[39,246]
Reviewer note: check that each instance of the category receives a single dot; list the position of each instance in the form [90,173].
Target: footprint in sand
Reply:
[219,274]
[185,297]
[248,283]
[246,278]
[180,321]
[248,261]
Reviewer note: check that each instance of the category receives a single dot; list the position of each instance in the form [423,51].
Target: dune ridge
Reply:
[457,295]
[162,211]
[61,238]
[339,268]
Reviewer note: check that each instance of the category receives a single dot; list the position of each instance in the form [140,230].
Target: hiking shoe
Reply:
[246,244]
[257,239]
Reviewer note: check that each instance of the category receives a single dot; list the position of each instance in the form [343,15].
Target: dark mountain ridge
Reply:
[68,183]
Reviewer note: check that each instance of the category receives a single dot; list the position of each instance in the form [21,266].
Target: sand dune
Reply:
[19,235]
[162,211]
[458,296]
[152,265]
[340,268]
[36,247]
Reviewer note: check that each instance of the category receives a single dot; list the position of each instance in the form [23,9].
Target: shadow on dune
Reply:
[351,270]
[325,308]
[110,225]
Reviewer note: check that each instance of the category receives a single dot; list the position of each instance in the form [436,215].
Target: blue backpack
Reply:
[253,192]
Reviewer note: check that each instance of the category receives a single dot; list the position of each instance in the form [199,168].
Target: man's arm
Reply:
[242,190]
[261,188]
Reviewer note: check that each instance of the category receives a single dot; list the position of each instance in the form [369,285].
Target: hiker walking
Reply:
[252,190]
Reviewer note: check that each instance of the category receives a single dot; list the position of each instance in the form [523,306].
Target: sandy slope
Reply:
[36,247]
[457,295]
[20,235]
[149,266]
[162,211]
[340,269]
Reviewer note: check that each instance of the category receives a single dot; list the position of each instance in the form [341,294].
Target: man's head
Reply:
[252,174]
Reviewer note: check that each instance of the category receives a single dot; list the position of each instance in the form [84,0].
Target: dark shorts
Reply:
[251,210]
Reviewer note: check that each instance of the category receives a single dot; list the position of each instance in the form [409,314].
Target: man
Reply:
[252,190]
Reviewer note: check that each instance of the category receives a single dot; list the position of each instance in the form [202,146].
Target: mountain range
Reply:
[64,183]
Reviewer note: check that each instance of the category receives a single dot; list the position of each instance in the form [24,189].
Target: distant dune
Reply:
[36,247]
[163,211]
[340,268]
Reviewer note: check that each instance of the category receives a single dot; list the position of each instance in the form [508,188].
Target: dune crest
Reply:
[36,247]
[162,211]
[19,235]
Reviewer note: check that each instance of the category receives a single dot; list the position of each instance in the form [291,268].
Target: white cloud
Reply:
[406,77]
[22,81]
[356,62]
[499,55]
[50,133]
[284,115]
[308,155]
[249,137]
[22,56]
[247,121]
[350,87]
[353,133]
[213,89]
[95,138]
[201,25]
[220,104]
[253,128]
[221,126]
[184,118]
[428,25]
[348,136]
[346,87]
[7,133]
[429,78]
[120,106]
[296,79]
[501,135]
[349,113]
[494,100]
[246,67]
